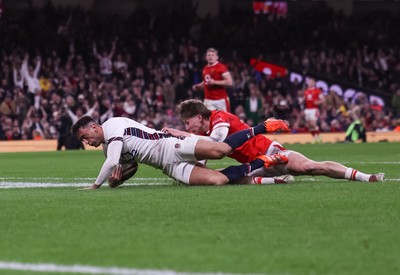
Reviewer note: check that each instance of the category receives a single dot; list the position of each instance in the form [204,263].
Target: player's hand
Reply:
[210,81]
[91,187]
[116,174]
[174,132]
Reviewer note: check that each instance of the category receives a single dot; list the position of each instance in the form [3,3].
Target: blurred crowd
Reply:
[58,64]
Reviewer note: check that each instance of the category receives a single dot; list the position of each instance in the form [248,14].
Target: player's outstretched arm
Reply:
[175,132]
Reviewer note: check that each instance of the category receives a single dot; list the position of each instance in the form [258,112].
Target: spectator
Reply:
[253,105]
[8,106]
[356,131]
[105,61]
[31,75]
[396,102]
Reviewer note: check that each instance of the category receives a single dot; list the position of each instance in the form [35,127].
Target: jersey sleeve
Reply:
[114,149]
[220,133]
[223,69]
[113,134]
[219,127]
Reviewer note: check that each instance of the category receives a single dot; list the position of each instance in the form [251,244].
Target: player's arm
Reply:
[175,132]
[226,81]
[113,155]
[220,132]
[198,86]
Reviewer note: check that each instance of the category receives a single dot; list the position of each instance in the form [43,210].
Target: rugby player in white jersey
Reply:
[128,140]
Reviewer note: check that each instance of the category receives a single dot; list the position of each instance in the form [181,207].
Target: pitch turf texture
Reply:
[314,226]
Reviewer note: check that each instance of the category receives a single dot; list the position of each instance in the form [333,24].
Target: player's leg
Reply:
[311,119]
[205,176]
[206,149]
[300,165]
[264,180]
[183,153]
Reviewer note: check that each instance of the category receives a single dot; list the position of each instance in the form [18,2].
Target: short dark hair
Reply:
[83,122]
[192,107]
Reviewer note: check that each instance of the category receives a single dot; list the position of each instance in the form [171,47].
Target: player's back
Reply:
[255,146]
[140,143]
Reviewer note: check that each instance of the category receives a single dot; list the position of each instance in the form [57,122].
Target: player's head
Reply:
[311,83]
[211,55]
[87,130]
[195,115]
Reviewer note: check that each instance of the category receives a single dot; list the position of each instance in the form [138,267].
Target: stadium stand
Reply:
[50,74]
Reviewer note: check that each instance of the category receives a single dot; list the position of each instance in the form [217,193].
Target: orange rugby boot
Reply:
[273,125]
[276,159]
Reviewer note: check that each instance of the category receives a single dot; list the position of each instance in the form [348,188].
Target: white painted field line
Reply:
[87,269]
[10,185]
[321,178]
[14,185]
[58,179]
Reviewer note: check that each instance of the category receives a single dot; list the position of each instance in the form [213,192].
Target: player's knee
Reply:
[224,150]
[220,182]
[218,153]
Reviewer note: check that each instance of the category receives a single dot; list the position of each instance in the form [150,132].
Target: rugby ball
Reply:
[128,171]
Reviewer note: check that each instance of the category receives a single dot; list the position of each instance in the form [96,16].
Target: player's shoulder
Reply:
[115,121]
[220,116]
[221,66]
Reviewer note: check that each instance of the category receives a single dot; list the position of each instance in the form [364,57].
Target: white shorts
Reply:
[180,159]
[311,114]
[217,104]
[274,148]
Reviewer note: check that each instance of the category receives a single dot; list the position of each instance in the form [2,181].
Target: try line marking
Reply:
[144,182]
[87,269]
[8,185]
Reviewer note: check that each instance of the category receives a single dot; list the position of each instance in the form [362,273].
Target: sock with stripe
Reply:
[353,174]
[262,180]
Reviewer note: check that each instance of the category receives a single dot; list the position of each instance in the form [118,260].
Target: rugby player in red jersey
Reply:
[216,78]
[313,98]
[217,125]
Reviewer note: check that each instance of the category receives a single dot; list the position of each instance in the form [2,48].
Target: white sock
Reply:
[261,180]
[353,174]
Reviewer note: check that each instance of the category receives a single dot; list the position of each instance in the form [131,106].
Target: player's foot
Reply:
[273,125]
[270,161]
[272,180]
[377,177]
[284,179]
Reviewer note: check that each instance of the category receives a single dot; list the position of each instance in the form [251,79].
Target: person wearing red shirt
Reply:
[216,78]
[313,97]
[217,125]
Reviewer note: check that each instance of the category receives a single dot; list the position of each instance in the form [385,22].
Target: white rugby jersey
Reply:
[127,140]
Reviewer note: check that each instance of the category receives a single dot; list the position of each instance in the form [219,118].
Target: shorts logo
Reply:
[177,145]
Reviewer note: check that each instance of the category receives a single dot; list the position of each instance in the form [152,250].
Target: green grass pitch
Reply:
[316,225]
